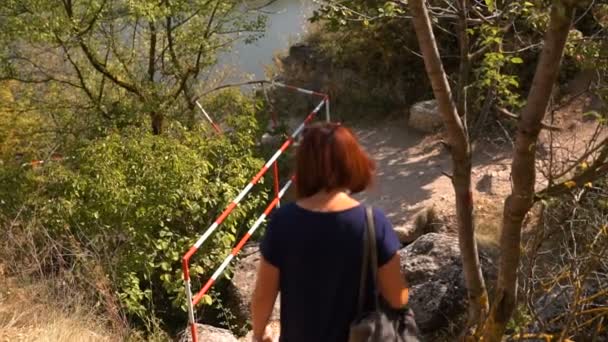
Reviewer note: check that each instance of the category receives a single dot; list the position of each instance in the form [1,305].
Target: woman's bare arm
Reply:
[264,296]
[392,284]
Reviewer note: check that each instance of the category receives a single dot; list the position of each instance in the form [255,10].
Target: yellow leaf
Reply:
[570,184]
[588,185]
[584,166]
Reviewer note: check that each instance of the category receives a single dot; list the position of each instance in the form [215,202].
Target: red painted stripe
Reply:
[310,117]
[185,266]
[271,206]
[257,177]
[227,211]
[240,245]
[202,292]
[188,255]
[286,144]
[305,90]
[193,332]
[275,169]
[216,127]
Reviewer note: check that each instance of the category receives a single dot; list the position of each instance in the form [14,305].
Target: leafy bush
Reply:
[138,202]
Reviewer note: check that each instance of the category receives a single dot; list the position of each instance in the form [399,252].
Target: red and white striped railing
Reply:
[213,124]
[325,97]
[241,243]
[193,300]
[308,92]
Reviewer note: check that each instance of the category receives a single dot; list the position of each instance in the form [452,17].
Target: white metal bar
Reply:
[222,267]
[202,239]
[205,113]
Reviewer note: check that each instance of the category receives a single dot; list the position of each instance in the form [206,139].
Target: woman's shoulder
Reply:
[381,220]
[285,210]
[291,210]
[380,214]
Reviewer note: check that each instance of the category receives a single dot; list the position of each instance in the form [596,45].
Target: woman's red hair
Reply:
[330,158]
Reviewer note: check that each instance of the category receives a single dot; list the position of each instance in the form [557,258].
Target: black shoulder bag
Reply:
[378,324]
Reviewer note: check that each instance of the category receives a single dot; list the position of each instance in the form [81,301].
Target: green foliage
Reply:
[348,14]
[118,62]
[365,50]
[520,320]
[380,34]
[22,134]
[140,201]
[491,75]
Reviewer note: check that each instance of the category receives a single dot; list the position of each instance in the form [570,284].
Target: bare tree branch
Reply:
[508,114]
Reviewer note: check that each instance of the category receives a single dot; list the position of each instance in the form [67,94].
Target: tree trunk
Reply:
[461,158]
[523,170]
[157,123]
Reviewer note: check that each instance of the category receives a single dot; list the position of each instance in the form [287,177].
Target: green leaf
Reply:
[513,82]
[165,266]
[490,4]
[517,60]
[206,300]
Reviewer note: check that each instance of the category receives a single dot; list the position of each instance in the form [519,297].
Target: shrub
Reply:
[138,201]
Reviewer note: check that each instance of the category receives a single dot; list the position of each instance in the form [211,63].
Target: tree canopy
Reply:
[115,62]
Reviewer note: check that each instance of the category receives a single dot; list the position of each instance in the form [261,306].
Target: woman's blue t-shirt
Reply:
[319,256]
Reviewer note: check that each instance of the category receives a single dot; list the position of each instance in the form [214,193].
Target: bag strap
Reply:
[369,252]
[364,263]
[371,227]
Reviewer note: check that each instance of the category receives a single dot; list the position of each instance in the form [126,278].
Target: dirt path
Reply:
[410,168]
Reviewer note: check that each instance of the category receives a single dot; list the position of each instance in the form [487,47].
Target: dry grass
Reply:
[488,214]
[32,313]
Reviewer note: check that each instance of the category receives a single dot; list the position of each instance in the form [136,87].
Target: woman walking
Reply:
[313,248]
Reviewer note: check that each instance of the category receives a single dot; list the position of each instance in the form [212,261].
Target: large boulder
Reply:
[207,333]
[243,283]
[433,268]
[425,116]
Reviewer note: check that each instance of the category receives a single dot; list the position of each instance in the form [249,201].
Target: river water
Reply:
[287,22]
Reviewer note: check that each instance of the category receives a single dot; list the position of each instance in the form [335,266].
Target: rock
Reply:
[433,269]
[243,283]
[301,53]
[425,116]
[275,328]
[270,139]
[485,184]
[207,333]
